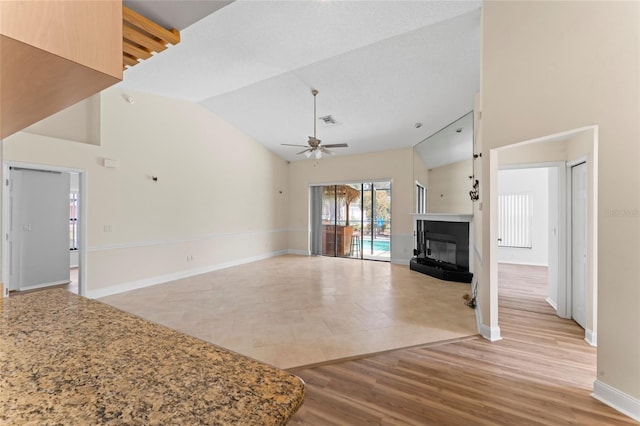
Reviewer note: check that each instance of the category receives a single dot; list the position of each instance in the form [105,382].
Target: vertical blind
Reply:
[514,220]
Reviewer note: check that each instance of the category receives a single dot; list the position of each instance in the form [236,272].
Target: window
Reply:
[421,198]
[514,220]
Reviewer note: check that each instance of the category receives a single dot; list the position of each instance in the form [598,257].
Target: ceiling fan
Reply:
[314,147]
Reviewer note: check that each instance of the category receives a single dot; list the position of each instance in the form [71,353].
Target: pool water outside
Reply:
[378,245]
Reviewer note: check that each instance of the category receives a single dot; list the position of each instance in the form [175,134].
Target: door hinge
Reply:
[6,182]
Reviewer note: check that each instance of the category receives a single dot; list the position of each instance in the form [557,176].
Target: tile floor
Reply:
[291,311]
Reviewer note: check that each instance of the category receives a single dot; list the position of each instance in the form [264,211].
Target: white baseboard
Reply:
[299,252]
[591,337]
[147,282]
[515,262]
[43,285]
[492,334]
[620,401]
[401,261]
[552,304]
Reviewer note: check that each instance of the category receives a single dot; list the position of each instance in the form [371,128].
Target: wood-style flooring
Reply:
[541,373]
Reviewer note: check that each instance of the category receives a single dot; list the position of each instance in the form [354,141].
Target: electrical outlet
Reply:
[106,228]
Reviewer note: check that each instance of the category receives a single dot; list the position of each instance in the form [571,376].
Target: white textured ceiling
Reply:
[380,67]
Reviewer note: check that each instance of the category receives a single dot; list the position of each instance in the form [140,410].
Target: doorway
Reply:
[352,220]
[43,226]
[571,148]
[528,237]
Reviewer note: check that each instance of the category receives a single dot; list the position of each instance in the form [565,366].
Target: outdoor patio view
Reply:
[356,220]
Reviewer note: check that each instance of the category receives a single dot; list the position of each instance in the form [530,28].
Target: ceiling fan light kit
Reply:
[313,146]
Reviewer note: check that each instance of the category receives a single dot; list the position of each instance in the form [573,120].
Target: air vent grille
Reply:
[328,120]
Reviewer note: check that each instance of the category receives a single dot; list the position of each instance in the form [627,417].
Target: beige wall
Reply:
[388,165]
[449,186]
[217,200]
[549,67]
[85,116]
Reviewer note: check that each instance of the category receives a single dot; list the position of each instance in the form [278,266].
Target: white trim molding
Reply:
[147,282]
[299,252]
[618,400]
[551,303]
[492,334]
[591,337]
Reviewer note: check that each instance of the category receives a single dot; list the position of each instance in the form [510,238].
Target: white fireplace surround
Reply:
[449,217]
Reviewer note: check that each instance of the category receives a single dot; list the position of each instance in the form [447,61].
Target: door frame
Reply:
[489,301]
[82,218]
[568,313]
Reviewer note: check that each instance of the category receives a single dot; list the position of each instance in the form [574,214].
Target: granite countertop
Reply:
[65,359]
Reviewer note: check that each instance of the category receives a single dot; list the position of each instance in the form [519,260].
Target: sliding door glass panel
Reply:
[329,217]
[377,241]
[349,197]
[352,220]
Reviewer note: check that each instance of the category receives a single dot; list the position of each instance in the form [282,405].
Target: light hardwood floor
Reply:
[297,310]
[541,373]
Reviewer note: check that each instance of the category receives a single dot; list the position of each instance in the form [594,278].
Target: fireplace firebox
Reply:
[442,247]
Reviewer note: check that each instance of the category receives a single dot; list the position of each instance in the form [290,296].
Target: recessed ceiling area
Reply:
[452,144]
[380,67]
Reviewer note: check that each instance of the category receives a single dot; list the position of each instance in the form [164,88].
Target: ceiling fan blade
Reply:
[303,151]
[290,144]
[326,151]
[337,145]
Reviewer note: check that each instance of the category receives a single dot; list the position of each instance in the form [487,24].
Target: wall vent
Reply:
[328,120]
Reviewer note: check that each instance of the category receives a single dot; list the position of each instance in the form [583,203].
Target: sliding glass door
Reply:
[376,238]
[351,220]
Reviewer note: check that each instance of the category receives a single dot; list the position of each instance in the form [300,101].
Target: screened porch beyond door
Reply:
[352,220]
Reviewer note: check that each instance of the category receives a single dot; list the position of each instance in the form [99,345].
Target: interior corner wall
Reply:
[220,197]
[549,67]
[534,181]
[394,165]
[449,186]
[85,116]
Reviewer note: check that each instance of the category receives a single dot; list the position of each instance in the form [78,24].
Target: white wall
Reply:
[220,199]
[387,165]
[550,67]
[536,182]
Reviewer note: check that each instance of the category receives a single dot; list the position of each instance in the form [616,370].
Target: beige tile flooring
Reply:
[291,310]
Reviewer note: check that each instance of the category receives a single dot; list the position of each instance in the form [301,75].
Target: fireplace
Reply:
[442,244]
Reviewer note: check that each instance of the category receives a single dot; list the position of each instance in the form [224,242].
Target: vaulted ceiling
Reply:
[380,67]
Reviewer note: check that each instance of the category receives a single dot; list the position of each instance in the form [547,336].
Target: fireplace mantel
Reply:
[443,217]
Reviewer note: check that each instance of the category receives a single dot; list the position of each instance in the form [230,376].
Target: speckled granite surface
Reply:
[68,360]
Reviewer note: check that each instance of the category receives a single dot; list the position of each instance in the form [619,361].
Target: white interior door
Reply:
[39,228]
[579,244]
